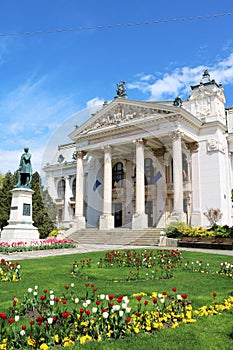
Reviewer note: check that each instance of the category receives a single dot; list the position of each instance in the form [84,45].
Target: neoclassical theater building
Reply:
[139,164]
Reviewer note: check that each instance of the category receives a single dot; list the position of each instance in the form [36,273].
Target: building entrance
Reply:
[149,212]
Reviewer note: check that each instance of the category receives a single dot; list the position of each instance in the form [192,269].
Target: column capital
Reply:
[177,135]
[107,148]
[193,146]
[80,154]
[159,152]
[140,141]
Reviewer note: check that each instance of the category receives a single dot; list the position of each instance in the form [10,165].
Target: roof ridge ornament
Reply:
[205,77]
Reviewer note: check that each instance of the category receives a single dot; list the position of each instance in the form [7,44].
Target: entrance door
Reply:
[149,212]
[118,214]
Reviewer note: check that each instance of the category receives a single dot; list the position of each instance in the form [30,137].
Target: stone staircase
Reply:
[119,236]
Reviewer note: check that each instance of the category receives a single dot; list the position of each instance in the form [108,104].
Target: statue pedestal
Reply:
[20,226]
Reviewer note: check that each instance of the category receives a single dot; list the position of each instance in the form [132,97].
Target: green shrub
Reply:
[54,233]
[200,232]
[180,229]
[177,229]
[222,231]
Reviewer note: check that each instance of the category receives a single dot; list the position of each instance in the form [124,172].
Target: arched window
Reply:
[149,170]
[117,175]
[61,188]
[74,188]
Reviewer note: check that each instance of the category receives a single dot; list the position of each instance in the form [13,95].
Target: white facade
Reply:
[140,164]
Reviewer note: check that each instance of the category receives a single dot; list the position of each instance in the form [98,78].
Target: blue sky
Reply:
[47,79]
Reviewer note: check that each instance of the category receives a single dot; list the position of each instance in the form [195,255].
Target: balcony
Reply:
[187,187]
[59,201]
[72,200]
[118,193]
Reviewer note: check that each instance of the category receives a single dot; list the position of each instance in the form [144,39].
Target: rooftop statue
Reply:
[121,89]
[177,102]
[25,169]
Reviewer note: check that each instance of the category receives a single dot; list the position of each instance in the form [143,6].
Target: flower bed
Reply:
[41,244]
[159,263]
[9,271]
[41,319]
[47,320]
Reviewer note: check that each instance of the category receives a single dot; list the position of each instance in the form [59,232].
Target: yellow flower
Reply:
[109,334]
[68,343]
[56,338]
[44,346]
[4,344]
[84,339]
[175,325]
[31,342]
[141,294]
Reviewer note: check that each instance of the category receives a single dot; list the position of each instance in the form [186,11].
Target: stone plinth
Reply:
[106,222]
[140,221]
[20,225]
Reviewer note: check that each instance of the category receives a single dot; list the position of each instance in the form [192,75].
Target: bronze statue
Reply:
[25,169]
[121,89]
[177,102]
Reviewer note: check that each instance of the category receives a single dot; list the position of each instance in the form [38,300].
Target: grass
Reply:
[213,332]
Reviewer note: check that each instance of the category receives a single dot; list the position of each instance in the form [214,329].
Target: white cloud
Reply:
[95,102]
[178,82]
[29,114]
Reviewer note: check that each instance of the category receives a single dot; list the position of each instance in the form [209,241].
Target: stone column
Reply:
[195,199]
[177,213]
[68,195]
[106,220]
[140,220]
[79,218]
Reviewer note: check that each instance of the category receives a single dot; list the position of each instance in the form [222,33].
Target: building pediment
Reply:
[120,113]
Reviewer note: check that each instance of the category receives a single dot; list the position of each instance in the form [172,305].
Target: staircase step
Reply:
[123,236]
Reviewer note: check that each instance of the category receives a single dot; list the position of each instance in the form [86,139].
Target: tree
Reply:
[8,183]
[43,208]
[213,215]
[1,180]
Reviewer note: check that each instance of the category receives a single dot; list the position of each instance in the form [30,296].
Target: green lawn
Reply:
[212,332]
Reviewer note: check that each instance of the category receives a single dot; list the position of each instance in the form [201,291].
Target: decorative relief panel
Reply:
[121,114]
[214,145]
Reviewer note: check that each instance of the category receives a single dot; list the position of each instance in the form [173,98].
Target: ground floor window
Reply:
[117,175]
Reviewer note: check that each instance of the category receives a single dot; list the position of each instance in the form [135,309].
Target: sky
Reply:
[52,77]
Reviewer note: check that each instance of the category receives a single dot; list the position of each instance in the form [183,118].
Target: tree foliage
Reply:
[1,180]
[43,208]
[8,183]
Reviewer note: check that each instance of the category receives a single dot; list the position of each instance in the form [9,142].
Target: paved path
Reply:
[85,248]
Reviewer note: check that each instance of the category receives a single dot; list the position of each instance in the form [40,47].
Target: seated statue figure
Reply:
[25,169]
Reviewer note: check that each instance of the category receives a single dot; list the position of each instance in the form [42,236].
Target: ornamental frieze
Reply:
[122,114]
